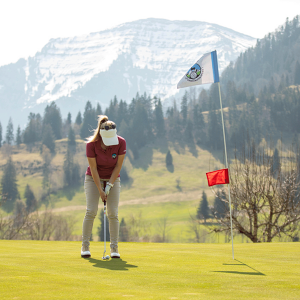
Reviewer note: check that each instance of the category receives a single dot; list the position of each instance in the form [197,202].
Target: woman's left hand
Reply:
[107,189]
[103,195]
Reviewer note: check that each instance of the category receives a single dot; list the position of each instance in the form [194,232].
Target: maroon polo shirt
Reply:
[106,159]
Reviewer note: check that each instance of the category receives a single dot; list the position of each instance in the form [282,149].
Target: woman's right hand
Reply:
[103,195]
[95,175]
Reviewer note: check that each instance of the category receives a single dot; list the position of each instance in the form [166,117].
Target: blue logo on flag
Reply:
[194,73]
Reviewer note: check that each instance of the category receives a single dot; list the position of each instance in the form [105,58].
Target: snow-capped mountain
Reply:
[148,55]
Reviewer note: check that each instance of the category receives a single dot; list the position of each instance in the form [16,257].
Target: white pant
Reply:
[92,201]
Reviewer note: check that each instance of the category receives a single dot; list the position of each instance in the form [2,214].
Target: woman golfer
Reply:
[105,151]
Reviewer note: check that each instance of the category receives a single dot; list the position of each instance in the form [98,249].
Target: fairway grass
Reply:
[55,270]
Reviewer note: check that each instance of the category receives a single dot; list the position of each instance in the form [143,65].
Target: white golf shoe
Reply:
[114,252]
[85,251]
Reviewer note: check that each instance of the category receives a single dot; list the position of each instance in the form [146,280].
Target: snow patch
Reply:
[168,48]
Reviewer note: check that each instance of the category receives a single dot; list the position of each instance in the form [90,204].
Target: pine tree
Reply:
[112,111]
[31,203]
[287,80]
[68,168]
[122,113]
[297,74]
[53,118]
[98,110]
[33,130]
[19,213]
[9,132]
[18,136]
[159,120]
[46,155]
[0,135]
[184,107]
[48,138]
[174,127]
[188,132]
[275,162]
[282,83]
[69,119]
[78,120]
[203,100]
[213,99]
[9,186]
[101,227]
[219,206]
[272,89]
[199,125]
[203,209]
[139,127]
[215,137]
[89,121]
[71,170]
[169,159]
[71,139]
[124,235]
[230,93]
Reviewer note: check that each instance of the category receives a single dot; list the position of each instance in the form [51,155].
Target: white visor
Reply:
[109,137]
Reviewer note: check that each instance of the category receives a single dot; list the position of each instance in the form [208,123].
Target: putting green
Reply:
[55,270]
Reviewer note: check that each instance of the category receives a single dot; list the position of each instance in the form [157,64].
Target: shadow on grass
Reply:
[193,149]
[112,264]
[170,168]
[179,149]
[241,273]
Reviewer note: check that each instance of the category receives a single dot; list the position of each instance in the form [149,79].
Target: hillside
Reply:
[148,55]
[272,63]
[54,270]
[153,194]
[151,184]
[151,164]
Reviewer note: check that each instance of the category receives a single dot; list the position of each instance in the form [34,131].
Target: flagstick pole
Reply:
[227,168]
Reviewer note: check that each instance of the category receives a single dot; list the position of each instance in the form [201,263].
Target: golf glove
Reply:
[108,187]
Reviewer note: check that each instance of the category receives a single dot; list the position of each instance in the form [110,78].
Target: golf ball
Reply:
[107,256]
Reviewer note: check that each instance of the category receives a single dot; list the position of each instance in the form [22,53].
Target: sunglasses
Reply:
[107,127]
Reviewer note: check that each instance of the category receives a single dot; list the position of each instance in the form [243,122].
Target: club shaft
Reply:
[104,227]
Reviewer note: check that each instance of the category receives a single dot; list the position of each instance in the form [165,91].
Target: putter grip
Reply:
[104,186]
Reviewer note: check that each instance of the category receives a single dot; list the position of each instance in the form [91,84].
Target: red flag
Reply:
[217,177]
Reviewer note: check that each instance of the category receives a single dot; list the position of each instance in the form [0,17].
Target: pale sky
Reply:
[27,25]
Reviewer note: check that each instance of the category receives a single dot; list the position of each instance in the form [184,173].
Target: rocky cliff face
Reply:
[143,56]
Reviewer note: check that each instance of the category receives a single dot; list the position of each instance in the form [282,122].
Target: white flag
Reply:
[205,70]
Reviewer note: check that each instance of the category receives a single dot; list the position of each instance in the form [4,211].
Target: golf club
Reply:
[104,227]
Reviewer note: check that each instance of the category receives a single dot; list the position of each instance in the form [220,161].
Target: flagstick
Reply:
[226,168]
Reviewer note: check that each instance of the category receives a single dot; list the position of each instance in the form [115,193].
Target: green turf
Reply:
[150,219]
[54,270]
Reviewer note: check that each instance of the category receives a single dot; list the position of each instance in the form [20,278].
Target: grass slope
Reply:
[54,270]
[156,191]
[149,178]
[149,174]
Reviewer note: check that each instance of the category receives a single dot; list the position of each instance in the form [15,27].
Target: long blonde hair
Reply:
[93,138]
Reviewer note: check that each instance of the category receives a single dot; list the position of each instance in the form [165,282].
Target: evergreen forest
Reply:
[260,95]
